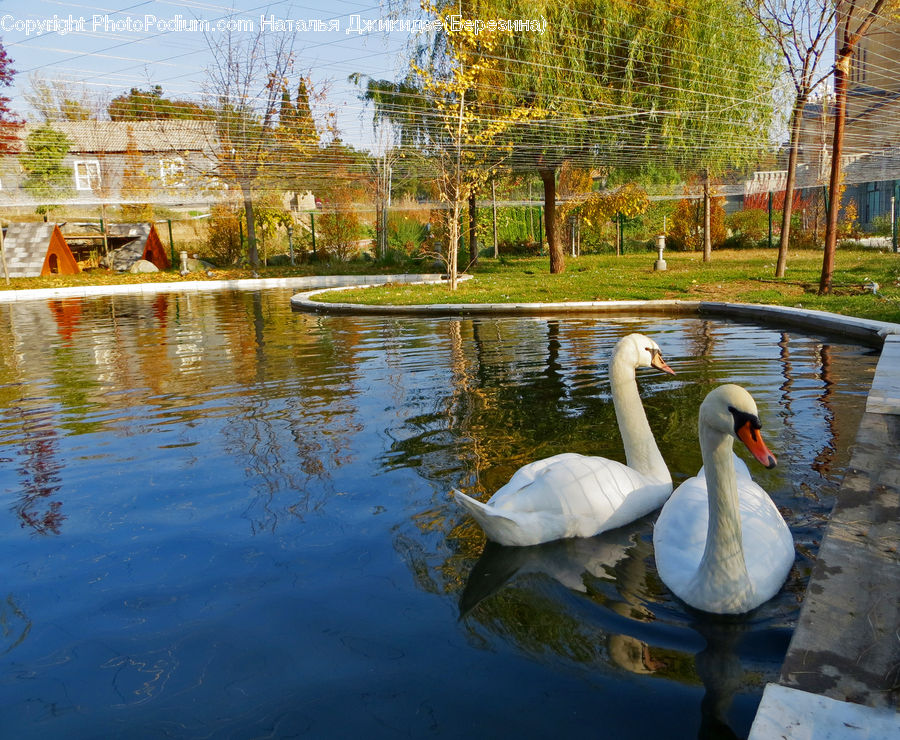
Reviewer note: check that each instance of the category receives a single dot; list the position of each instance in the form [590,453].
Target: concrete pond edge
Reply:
[866,331]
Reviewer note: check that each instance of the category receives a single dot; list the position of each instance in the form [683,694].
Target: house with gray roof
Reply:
[170,162]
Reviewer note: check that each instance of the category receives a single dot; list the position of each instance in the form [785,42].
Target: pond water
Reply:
[223,519]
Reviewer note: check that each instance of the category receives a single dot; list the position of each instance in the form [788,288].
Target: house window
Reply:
[858,70]
[873,201]
[171,172]
[87,174]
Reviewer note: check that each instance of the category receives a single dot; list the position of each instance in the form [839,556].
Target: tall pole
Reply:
[540,231]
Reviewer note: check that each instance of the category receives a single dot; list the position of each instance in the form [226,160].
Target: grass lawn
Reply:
[733,275]
[745,276]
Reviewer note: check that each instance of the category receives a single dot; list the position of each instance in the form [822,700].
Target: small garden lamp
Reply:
[660,263]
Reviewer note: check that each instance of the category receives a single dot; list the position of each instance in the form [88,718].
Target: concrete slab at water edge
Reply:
[306,282]
[789,714]
[846,644]
[841,674]
[884,397]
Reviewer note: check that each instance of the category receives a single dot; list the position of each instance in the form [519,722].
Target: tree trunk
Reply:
[473,224]
[252,254]
[707,219]
[841,70]
[557,258]
[796,120]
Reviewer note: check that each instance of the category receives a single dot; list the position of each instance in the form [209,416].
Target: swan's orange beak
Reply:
[750,436]
[659,363]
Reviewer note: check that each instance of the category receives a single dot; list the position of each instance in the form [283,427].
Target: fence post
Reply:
[770,219]
[541,229]
[103,232]
[895,222]
[619,240]
[494,208]
[171,243]
[572,233]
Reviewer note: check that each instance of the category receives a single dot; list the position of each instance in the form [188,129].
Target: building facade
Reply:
[169,162]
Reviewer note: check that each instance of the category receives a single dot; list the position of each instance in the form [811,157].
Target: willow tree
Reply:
[630,83]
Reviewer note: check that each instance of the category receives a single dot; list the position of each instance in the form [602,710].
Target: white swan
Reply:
[721,544]
[572,495]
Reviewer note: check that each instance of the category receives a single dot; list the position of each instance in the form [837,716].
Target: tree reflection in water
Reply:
[39,470]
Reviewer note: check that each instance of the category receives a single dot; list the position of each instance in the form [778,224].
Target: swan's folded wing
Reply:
[528,473]
[679,534]
[767,536]
[593,494]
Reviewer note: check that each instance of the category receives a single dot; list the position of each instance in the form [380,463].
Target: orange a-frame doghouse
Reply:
[35,249]
[143,244]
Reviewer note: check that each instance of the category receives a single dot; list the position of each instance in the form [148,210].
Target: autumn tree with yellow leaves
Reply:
[628,201]
[467,121]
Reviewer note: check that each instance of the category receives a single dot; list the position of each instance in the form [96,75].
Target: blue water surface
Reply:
[222,519]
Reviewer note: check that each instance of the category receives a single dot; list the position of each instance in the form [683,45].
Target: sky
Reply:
[110,46]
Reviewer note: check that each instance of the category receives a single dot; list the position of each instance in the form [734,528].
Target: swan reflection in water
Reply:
[628,621]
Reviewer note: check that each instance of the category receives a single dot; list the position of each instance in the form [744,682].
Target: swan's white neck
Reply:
[641,452]
[722,568]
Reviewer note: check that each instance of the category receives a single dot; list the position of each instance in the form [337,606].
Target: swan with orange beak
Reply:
[721,544]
